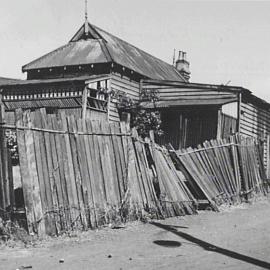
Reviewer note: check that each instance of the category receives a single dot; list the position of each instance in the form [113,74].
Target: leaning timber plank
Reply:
[140,181]
[121,151]
[11,184]
[140,166]
[76,150]
[111,164]
[136,204]
[222,166]
[56,172]
[3,163]
[67,173]
[45,124]
[229,162]
[87,189]
[236,164]
[44,178]
[205,179]
[124,130]
[116,152]
[73,129]
[40,174]
[207,160]
[61,169]
[25,176]
[226,163]
[215,159]
[149,178]
[123,143]
[170,194]
[144,170]
[96,195]
[32,166]
[192,171]
[95,167]
[70,176]
[108,183]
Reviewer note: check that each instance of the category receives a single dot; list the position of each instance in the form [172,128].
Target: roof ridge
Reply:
[100,29]
[105,50]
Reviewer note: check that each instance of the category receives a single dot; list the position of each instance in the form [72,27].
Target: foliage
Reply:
[12,146]
[142,119]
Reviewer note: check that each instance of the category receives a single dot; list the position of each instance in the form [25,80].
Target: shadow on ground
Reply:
[209,247]
[167,243]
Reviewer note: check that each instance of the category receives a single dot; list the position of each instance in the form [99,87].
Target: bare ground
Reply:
[235,238]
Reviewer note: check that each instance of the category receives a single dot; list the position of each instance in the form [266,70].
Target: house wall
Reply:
[255,121]
[122,84]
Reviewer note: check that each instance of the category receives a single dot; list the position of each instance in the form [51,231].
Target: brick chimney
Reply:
[182,65]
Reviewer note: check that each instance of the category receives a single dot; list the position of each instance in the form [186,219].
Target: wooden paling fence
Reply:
[223,171]
[79,174]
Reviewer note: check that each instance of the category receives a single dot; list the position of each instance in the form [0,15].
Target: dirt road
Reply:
[236,238]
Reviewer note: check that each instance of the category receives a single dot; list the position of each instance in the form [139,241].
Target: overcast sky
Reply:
[224,41]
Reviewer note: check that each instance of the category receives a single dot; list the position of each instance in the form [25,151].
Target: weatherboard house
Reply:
[81,76]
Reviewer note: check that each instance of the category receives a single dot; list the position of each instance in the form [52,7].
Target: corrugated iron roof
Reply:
[71,102]
[53,81]
[5,81]
[107,49]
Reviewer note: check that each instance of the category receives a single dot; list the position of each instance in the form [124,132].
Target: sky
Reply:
[226,42]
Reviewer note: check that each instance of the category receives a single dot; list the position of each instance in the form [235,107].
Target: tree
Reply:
[142,119]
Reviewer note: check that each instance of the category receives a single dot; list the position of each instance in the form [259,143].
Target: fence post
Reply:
[4,187]
[84,102]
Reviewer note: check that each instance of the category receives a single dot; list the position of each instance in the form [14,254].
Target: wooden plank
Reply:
[11,185]
[4,159]
[56,173]
[32,167]
[72,127]
[51,170]
[84,159]
[99,193]
[25,176]
[60,149]
[44,179]
[70,175]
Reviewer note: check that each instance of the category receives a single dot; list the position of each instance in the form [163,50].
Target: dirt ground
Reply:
[235,238]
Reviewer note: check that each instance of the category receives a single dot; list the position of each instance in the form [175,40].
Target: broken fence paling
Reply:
[79,174]
[222,171]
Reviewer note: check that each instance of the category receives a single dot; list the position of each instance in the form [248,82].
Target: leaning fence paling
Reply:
[79,174]
[223,171]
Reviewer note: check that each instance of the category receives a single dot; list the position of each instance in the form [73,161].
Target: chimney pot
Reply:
[182,65]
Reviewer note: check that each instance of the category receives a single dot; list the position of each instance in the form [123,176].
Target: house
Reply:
[80,76]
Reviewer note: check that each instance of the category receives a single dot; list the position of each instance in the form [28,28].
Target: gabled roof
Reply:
[6,81]
[99,46]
